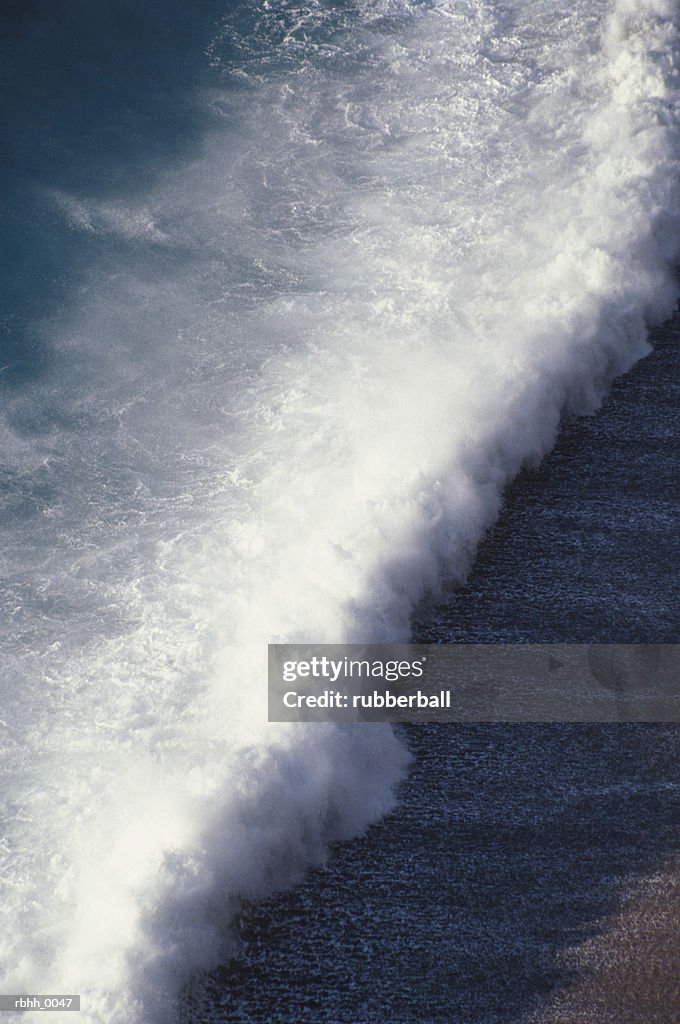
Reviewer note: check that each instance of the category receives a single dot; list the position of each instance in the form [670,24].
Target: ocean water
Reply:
[499,888]
[290,293]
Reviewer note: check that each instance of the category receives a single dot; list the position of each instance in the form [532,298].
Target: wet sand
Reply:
[630,972]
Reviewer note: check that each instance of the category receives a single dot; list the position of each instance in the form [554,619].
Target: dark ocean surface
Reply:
[510,844]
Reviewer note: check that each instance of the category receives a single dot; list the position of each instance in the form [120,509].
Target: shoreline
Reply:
[513,849]
[581,549]
[627,972]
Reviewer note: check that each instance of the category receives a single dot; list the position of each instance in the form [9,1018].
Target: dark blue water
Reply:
[97,100]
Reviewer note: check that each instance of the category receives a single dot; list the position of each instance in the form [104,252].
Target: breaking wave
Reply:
[279,394]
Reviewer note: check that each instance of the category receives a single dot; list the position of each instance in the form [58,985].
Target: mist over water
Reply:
[293,292]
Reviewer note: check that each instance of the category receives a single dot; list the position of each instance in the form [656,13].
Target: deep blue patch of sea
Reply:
[511,843]
[97,100]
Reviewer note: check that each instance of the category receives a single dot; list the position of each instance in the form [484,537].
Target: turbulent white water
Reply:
[282,402]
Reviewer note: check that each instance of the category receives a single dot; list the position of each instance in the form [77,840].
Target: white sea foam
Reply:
[282,406]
